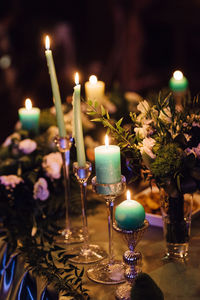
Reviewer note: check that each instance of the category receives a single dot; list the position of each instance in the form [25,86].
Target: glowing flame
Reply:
[128,195]
[93,79]
[178,75]
[47,42]
[28,104]
[106,140]
[76,78]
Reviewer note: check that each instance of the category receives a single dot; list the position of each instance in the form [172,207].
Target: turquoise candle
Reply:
[178,83]
[129,214]
[78,129]
[107,164]
[55,90]
[29,117]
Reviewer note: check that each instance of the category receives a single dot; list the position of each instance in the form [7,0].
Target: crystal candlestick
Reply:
[132,259]
[67,235]
[87,253]
[110,271]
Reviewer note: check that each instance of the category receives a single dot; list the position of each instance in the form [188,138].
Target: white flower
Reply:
[143,107]
[197,150]
[40,189]
[147,146]
[10,180]
[166,115]
[195,124]
[52,164]
[141,132]
[9,139]
[27,146]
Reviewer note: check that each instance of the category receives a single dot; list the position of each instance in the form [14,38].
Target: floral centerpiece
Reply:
[162,144]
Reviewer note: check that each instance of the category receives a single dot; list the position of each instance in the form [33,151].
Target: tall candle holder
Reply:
[110,271]
[87,253]
[132,259]
[67,235]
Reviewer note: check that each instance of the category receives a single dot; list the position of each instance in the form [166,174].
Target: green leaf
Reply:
[103,112]
[96,120]
[91,113]
[118,124]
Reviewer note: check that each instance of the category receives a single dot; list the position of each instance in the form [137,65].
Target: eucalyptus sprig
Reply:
[121,134]
[51,263]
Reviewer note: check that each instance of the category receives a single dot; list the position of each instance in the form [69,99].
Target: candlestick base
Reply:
[132,259]
[110,271]
[87,253]
[67,235]
[107,273]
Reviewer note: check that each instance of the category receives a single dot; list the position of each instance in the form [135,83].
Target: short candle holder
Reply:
[132,259]
[111,271]
[67,235]
[87,253]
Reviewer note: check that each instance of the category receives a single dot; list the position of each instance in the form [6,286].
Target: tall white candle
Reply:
[55,89]
[78,129]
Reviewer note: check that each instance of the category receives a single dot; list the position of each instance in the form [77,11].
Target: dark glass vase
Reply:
[176,214]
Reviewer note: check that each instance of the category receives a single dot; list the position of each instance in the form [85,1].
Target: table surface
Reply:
[176,280]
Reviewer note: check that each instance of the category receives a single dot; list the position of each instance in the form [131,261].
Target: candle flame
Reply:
[47,42]
[178,75]
[76,78]
[106,140]
[128,195]
[28,104]
[93,79]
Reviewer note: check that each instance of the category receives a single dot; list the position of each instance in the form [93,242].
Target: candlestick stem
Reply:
[68,235]
[110,204]
[83,188]
[65,158]
[87,253]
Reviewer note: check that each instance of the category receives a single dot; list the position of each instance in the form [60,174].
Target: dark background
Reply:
[135,43]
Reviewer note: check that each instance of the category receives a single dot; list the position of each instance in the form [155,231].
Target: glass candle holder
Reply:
[88,253]
[110,271]
[67,235]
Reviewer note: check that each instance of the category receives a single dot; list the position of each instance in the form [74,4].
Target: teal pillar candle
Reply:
[129,215]
[107,164]
[178,83]
[29,117]
[77,123]
[55,90]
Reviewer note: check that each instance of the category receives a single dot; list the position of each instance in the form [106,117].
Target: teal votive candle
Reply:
[129,214]
[107,164]
[178,83]
[29,117]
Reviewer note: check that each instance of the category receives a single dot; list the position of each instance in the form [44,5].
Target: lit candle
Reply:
[55,89]
[94,89]
[29,116]
[178,83]
[129,214]
[107,163]
[78,129]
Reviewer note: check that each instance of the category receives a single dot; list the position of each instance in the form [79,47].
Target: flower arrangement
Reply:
[161,143]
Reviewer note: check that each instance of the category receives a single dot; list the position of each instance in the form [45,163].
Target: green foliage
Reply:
[168,161]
